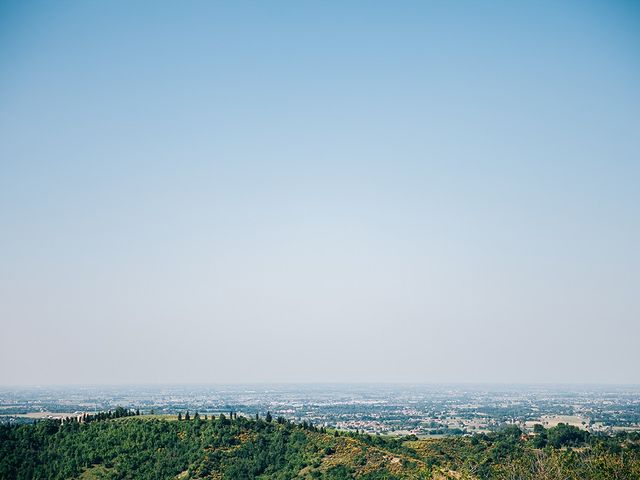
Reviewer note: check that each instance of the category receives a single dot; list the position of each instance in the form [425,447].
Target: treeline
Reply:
[563,452]
[119,412]
[222,418]
[123,444]
[157,448]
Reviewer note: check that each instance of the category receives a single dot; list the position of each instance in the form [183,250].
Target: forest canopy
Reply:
[124,444]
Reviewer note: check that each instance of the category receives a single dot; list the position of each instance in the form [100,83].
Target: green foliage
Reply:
[566,435]
[111,445]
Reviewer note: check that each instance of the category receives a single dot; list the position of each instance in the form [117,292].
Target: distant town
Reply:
[421,410]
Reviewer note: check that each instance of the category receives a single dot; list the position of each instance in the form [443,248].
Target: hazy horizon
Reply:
[417,192]
[485,385]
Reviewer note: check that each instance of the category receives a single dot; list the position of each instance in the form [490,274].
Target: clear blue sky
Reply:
[319,191]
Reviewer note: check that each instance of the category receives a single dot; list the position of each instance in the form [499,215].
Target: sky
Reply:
[236,192]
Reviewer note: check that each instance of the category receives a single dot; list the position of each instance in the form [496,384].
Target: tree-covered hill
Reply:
[120,445]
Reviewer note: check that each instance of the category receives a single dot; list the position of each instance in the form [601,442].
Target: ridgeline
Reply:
[126,445]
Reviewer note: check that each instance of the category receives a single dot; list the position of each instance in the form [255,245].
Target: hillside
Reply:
[234,447]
